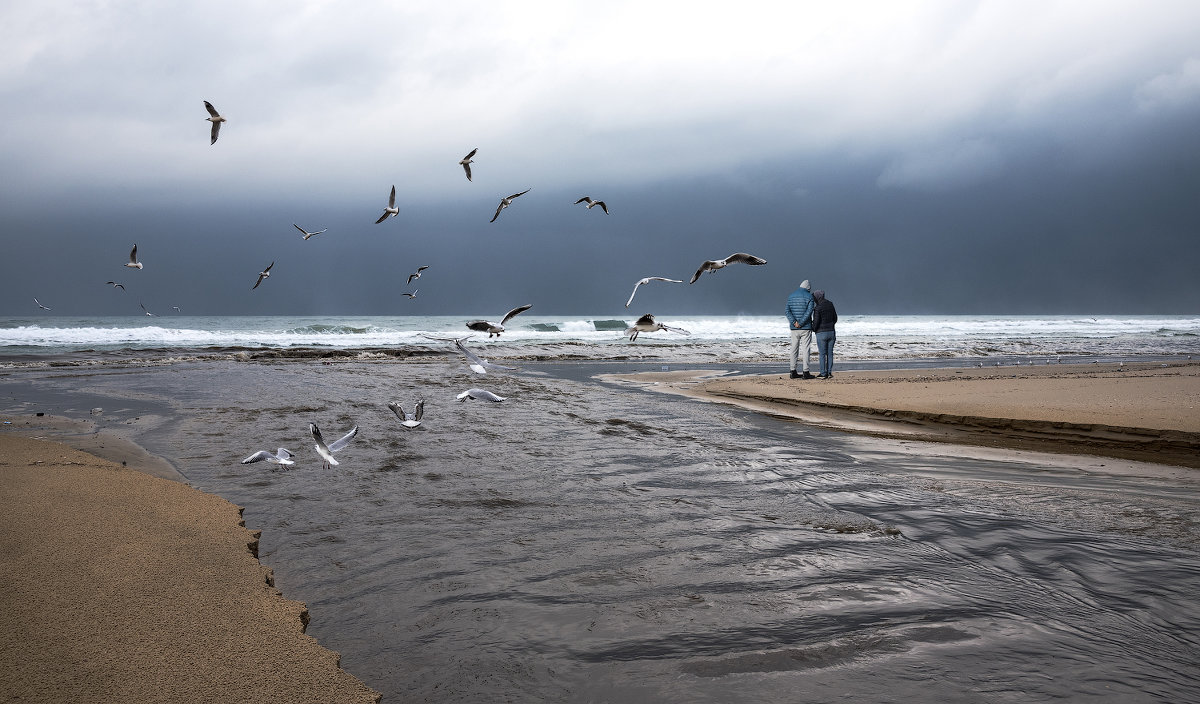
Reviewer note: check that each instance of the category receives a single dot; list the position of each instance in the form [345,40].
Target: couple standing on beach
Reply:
[809,313]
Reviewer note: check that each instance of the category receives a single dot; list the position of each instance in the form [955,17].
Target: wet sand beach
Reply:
[124,587]
[1141,411]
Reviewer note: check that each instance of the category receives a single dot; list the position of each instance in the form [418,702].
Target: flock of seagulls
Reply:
[392,210]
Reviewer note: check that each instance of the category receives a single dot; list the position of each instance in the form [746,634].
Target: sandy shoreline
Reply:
[121,586]
[1141,411]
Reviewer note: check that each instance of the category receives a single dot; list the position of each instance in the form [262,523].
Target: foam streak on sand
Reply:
[1144,411]
[120,586]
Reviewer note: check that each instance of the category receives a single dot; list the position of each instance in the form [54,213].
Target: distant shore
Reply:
[1141,411]
[119,586]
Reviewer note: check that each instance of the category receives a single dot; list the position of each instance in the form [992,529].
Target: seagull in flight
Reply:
[592,203]
[416,274]
[466,162]
[39,304]
[496,328]
[646,324]
[408,420]
[114,284]
[410,295]
[505,202]
[714,264]
[391,209]
[647,280]
[133,263]
[144,308]
[326,451]
[480,394]
[215,118]
[478,364]
[281,457]
[307,234]
[262,275]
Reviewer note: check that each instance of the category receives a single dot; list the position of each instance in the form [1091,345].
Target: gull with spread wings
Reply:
[466,162]
[326,451]
[647,280]
[735,258]
[306,233]
[592,203]
[494,329]
[408,420]
[505,202]
[215,118]
[265,273]
[281,457]
[391,210]
[646,323]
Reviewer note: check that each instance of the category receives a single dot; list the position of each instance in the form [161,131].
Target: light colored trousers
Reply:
[801,339]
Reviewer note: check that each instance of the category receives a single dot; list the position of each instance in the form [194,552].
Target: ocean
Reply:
[589,541]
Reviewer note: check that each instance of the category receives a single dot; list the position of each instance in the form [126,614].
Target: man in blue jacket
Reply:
[799,314]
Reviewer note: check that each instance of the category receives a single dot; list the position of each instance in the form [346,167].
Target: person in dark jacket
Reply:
[799,315]
[823,319]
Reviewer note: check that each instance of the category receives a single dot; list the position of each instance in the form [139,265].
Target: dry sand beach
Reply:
[125,587]
[1140,411]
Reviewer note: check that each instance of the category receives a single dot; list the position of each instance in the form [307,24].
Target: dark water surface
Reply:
[588,542]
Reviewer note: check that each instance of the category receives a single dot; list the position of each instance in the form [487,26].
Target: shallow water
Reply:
[589,542]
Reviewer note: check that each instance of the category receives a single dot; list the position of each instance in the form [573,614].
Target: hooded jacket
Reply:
[824,314]
[799,308]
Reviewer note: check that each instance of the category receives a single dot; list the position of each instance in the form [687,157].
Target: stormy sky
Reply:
[925,157]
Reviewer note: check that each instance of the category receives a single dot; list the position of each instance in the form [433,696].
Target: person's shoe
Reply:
[820,376]
[806,375]
[795,375]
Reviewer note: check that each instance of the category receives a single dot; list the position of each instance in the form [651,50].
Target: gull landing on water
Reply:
[326,451]
[496,328]
[215,118]
[466,162]
[133,262]
[647,280]
[281,456]
[714,264]
[591,203]
[265,273]
[505,202]
[391,209]
[478,364]
[480,394]
[307,234]
[408,420]
[646,324]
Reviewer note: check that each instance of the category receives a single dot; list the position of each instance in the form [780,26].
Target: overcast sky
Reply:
[908,157]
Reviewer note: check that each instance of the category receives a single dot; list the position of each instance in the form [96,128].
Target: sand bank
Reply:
[1142,411]
[117,586]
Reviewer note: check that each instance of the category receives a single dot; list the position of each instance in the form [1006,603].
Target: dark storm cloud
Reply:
[907,160]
